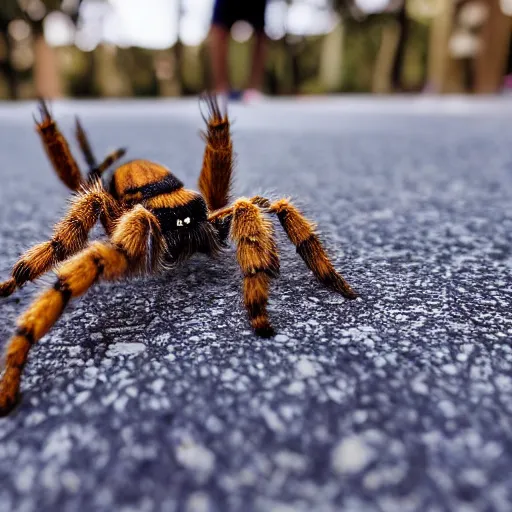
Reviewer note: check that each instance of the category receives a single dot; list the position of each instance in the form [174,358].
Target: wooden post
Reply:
[382,83]
[47,77]
[438,54]
[495,40]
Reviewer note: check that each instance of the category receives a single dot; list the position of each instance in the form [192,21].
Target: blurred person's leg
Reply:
[255,15]
[258,62]
[219,44]
[225,14]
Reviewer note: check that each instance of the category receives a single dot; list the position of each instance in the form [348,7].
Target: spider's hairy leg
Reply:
[301,233]
[126,253]
[216,173]
[258,258]
[221,221]
[95,170]
[57,149]
[85,145]
[69,236]
[74,278]
[108,161]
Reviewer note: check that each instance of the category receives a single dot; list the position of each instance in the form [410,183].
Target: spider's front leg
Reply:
[216,173]
[70,235]
[257,256]
[126,254]
[301,233]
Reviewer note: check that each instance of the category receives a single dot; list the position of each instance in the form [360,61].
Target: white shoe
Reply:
[252,96]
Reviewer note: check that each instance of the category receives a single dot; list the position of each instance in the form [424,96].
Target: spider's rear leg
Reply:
[69,236]
[301,233]
[95,170]
[127,253]
[85,145]
[57,149]
[258,258]
[216,173]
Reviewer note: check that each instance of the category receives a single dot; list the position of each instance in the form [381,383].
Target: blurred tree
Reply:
[47,77]
[46,73]
[491,62]
[176,78]
[293,45]
[7,13]
[398,62]
[348,9]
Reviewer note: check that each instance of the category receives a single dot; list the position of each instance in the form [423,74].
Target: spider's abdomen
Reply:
[140,180]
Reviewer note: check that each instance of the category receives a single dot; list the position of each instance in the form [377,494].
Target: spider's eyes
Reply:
[180,222]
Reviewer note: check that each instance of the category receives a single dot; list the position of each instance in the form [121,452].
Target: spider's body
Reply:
[152,223]
[182,214]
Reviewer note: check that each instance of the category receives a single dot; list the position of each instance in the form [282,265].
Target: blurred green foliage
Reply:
[294,64]
[24,9]
[363,40]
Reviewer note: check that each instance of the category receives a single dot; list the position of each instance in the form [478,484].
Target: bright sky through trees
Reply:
[153,23]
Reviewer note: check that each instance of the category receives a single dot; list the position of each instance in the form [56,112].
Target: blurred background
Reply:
[123,48]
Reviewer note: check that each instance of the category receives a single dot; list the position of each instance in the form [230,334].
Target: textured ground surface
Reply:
[157,396]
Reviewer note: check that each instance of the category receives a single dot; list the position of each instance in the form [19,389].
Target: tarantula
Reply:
[152,223]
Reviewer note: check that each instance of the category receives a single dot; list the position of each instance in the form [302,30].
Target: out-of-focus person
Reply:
[225,14]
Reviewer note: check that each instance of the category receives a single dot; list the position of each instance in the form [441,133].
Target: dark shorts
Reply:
[227,12]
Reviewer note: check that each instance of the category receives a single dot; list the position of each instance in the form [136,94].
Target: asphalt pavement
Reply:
[155,394]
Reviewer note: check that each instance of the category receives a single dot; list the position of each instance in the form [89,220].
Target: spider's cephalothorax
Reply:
[182,214]
[152,223]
